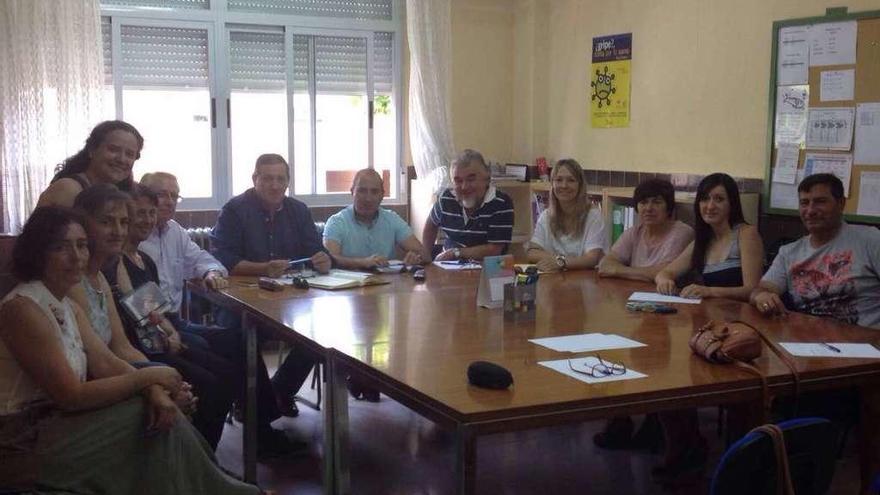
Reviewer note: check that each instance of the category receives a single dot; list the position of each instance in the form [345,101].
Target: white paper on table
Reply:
[793,55]
[785,196]
[869,194]
[586,342]
[455,266]
[660,298]
[792,103]
[496,287]
[562,366]
[394,266]
[786,163]
[867,141]
[847,350]
[830,128]
[840,165]
[833,43]
[837,85]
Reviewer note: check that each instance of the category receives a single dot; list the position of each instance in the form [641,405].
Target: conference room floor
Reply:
[396,452]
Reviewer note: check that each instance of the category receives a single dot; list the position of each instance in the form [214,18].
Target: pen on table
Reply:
[830,347]
[293,263]
[456,262]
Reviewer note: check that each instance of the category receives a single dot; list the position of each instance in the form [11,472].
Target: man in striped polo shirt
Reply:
[476,218]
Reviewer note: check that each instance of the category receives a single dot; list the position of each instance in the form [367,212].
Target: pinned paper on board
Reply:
[867,139]
[793,55]
[869,194]
[791,114]
[785,196]
[786,163]
[839,165]
[833,43]
[830,128]
[837,85]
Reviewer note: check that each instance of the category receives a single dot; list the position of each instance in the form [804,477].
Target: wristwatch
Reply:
[456,252]
[561,262]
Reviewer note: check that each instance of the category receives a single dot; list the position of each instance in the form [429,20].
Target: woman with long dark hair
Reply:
[725,259]
[726,256]
[107,158]
[569,234]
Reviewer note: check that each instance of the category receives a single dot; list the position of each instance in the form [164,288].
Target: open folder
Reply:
[345,279]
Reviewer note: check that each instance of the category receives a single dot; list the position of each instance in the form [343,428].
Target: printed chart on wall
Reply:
[826,110]
[610,81]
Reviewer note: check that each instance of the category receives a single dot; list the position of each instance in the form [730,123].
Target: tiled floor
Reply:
[395,451]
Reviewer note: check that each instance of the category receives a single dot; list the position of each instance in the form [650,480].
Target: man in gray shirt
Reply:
[834,271]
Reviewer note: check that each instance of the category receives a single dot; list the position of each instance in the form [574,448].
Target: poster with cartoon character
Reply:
[610,81]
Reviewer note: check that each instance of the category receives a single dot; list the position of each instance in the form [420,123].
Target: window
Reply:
[312,80]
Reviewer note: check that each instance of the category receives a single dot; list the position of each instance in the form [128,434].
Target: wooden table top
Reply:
[419,338]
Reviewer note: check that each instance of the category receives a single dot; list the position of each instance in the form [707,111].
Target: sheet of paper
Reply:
[660,298]
[586,342]
[792,103]
[786,163]
[833,43]
[456,266]
[496,287]
[867,140]
[785,196]
[847,350]
[869,194]
[793,55]
[394,266]
[830,128]
[564,366]
[837,85]
[840,165]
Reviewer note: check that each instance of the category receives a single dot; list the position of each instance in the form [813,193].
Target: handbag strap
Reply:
[783,474]
[783,356]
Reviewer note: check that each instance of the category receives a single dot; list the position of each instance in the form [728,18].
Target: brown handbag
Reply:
[739,343]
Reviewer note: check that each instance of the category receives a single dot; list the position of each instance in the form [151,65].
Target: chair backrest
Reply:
[749,465]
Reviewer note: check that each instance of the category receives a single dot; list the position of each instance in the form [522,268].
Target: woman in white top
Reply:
[75,418]
[569,234]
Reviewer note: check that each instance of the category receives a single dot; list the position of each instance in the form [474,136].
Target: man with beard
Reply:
[476,218]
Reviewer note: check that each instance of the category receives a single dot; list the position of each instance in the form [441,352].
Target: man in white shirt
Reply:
[178,258]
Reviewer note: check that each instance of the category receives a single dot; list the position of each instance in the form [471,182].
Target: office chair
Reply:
[749,465]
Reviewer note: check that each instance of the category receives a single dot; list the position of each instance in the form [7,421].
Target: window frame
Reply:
[220,22]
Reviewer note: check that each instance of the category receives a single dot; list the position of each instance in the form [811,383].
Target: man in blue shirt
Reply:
[364,235]
[476,218]
[256,234]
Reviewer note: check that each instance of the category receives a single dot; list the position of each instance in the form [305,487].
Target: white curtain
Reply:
[430,117]
[51,93]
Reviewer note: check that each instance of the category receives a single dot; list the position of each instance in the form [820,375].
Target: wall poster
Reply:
[610,81]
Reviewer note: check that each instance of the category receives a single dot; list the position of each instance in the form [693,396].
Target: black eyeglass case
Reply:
[489,375]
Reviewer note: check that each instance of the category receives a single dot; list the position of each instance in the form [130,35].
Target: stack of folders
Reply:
[622,218]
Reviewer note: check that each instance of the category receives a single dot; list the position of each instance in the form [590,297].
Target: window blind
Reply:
[383,66]
[257,61]
[159,4]
[164,56]
[107,45]
[350,9]
[340,64]
[300,64]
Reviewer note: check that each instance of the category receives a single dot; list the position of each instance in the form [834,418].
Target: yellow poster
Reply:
[610,81]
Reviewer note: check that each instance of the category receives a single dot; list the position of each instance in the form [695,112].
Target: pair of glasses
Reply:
[600,369]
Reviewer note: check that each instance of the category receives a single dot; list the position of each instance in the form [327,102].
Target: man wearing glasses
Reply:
[257,233]
[476,218]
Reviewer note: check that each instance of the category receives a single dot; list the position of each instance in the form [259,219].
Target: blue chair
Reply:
[749,465]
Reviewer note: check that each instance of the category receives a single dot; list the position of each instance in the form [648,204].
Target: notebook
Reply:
[345,279]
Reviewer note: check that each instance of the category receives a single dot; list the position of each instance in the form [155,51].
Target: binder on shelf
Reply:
[617,217]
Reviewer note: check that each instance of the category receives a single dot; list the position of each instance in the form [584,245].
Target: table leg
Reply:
[336,443]
[465,460]
[249,438]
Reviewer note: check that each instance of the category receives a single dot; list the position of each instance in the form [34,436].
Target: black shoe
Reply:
[617,434]
[649,436]
[287,405]
[360,391]
[274,443]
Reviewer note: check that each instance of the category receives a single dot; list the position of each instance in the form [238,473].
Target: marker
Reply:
[831,347]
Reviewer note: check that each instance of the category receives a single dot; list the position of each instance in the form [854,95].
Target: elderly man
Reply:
[178,258]
[834,271]
[365,235]
[476,218]
[258,233]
